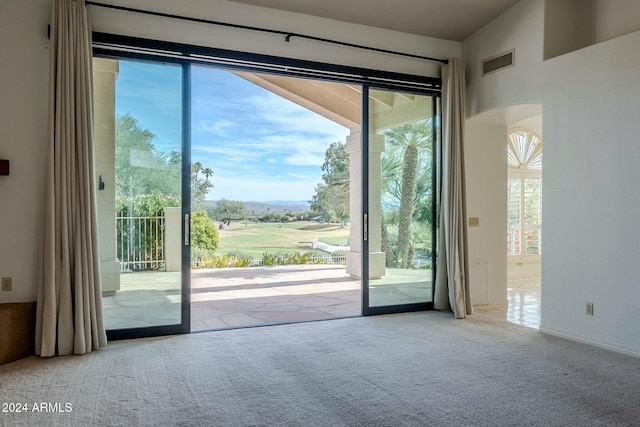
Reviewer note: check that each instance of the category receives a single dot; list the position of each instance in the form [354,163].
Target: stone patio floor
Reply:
[238,297]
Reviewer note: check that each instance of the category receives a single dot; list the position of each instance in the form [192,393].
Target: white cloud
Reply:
[305,159]
[293,117]
[215,126]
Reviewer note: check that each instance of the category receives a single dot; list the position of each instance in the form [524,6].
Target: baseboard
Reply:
[590,342]
[17,335]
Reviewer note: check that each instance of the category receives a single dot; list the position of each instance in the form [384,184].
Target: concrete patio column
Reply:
[105,73]
[354,255]
[172,239]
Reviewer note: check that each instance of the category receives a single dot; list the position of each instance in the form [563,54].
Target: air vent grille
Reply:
[498,62]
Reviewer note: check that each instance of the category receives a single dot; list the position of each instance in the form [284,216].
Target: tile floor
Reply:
[523,303]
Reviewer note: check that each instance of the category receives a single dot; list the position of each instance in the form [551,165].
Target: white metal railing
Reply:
[140,243]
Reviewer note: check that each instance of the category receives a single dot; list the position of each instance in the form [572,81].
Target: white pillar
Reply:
[105,72]
[172,239]
[354,255]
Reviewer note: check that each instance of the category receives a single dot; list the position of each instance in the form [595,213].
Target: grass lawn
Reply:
[256,238]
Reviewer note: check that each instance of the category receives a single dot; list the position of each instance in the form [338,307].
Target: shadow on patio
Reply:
[253,296]
[235,297]
[222,298]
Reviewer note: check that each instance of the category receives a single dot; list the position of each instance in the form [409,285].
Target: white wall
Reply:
[24,76]
[112,21]
[486,176]
[590,198]
[590,108]
[23,124]
[520,28]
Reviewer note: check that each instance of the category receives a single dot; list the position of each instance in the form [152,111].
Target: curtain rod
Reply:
[288,35]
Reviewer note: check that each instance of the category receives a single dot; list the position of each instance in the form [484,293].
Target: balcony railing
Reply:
[140,243]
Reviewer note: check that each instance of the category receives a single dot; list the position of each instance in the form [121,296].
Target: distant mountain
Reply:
[276,206]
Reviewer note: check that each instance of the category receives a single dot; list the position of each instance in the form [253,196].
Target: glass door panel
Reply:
[138,112]
[271,196]
[401,192]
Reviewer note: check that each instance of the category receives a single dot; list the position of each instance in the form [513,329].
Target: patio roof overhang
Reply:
[341,102]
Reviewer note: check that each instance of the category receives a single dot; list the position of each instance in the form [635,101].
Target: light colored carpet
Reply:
[421,369]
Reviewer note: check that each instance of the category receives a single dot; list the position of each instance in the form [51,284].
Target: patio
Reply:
[233,297]
[237,297]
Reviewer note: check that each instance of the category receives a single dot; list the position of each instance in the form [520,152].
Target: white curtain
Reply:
[452,274]
[69,315]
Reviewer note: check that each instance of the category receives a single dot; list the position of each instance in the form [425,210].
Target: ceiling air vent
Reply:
[498,62]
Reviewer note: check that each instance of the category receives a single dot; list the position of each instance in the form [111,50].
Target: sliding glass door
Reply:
[141,139]
[371,196]
[400,218]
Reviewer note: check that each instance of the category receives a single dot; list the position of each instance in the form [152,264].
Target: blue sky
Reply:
[260,146]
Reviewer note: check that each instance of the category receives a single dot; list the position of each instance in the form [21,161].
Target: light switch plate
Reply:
[589,310]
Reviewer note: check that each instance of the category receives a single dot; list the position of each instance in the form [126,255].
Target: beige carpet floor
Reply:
[419,369]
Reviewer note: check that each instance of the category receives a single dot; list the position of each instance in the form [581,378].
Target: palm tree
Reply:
[409,139]
[385,242]
[207,173]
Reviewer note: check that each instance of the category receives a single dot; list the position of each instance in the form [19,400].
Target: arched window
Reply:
[524,195]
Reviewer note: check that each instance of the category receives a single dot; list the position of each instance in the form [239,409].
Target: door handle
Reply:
[187,230]
[365,227]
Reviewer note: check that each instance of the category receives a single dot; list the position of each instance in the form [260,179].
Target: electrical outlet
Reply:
[589,310]
[6,284]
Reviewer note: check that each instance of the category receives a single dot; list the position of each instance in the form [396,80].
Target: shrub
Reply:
[204,234]
[202,259]
[269,260]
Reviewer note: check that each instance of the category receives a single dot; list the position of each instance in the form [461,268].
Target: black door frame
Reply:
[435,179]
[185,212]
[119,46]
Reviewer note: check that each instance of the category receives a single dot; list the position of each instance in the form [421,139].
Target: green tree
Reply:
[227,210]
[331,200]
[200,184]
[140,167]
[143,169]
[408,140]
[406,190]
